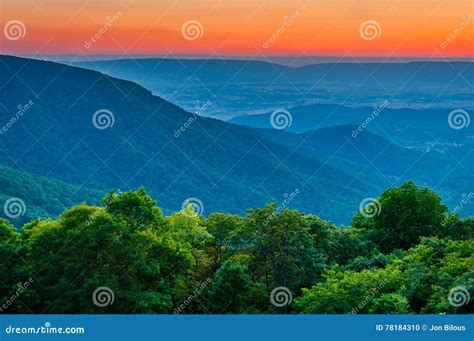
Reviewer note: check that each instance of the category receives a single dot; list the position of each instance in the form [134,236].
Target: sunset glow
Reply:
[245,27]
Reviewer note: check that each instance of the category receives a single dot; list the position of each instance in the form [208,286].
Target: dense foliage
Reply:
[405,259]
[43,197]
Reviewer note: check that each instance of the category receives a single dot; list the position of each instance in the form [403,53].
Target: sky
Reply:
[391,28]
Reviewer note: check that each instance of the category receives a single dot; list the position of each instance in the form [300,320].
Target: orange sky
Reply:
[324,27]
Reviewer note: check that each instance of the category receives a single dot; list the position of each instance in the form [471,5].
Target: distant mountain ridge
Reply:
[402,125]
[292,61]
[243,87]
[248,71]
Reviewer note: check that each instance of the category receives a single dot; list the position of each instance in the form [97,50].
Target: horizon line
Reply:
[285,60]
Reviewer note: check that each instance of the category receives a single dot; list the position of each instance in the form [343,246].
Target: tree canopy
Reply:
[126,256]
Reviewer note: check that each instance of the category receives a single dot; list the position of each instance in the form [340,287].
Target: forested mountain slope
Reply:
[150,142]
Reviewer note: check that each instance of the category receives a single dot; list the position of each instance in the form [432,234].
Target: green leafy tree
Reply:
[405,214]
[344,292]
[390,304]
[435,267]
[187,230]
[417,281]
[283,252]
[455,228]
[11,265]
[92,247]
[230,290]
[224,228]
[409,258]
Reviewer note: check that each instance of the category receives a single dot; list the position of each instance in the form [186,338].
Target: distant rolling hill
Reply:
[242,87]
[155,144]
[366,149]
[377,159]
[151,70]
[408,127]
